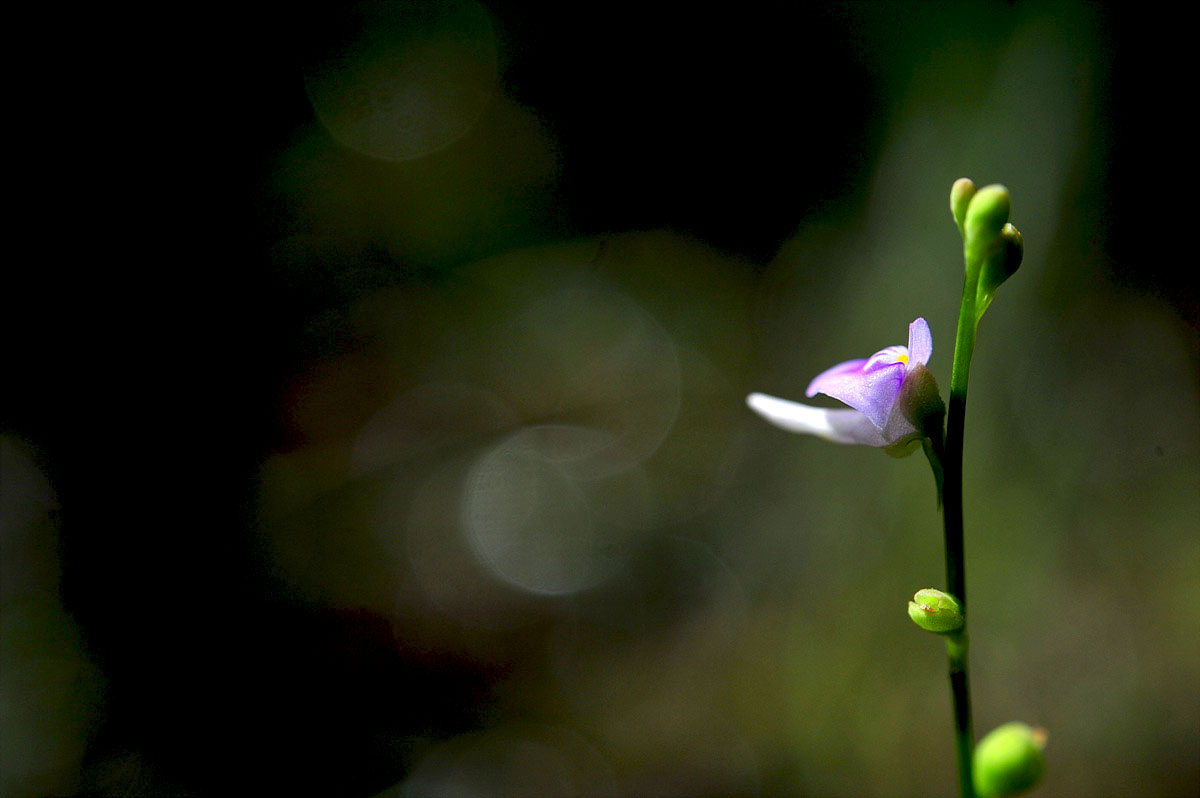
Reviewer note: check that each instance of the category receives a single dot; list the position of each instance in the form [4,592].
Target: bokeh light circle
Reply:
[538,526]
[403,80]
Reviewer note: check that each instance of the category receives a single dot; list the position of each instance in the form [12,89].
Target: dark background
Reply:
[184,295]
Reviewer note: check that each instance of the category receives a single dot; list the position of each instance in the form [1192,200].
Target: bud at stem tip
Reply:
[960,196]
[987,213]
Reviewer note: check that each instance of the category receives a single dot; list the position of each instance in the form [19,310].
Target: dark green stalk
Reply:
[964,735]
[992,252]
[952,514]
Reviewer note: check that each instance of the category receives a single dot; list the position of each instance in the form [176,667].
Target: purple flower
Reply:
[895,399]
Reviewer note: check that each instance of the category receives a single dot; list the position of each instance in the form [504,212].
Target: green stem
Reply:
[964,737]
[964,346]
[952,514]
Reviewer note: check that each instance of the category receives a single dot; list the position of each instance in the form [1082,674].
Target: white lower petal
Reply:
[842,425]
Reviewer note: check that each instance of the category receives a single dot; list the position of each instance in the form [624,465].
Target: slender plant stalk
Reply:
[964,736]
[952,514]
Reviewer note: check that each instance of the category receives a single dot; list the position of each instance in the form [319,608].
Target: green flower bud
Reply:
[1009,760]
[1001,262]
[986,216]
[988,210]
[936,611]
[1004,260]
[960,196]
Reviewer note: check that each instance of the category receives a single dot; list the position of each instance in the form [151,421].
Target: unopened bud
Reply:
[960,196]
[988,210]
[1000,263]
[1009,760]
[936,611]
[987,213]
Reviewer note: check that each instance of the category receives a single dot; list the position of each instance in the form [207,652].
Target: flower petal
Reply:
[869,386]
[887,356]
[838,425]
[899,426]
[920,343]
[849,367]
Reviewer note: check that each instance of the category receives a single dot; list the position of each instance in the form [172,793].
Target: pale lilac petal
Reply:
[892,395]
[849,367]
[887,356]
[920,343]
[839,425]
[899,426]
[871,388]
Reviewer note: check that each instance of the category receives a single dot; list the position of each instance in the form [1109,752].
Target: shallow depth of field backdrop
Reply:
[374,385]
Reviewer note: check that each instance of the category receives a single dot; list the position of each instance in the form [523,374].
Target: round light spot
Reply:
[403,80]
[536,524]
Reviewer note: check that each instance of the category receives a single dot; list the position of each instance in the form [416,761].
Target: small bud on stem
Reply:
[960,197]
[1001,262]
[935,611]
[986,216]
[1009,760]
